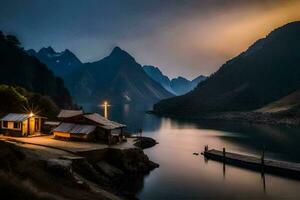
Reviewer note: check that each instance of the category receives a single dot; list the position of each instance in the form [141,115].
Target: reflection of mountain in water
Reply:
[280,140]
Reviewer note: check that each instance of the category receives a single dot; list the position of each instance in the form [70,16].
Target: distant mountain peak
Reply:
[177,86]
[60,62]
[31,52]
[118,78]
[116,49]
[119,53]
[180,78]
[48,49]
[67,51]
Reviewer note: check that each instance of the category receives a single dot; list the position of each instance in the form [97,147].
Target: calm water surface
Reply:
[182,175]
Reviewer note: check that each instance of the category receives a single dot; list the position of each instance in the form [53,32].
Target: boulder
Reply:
[60,166]
[109,170]
[145,142]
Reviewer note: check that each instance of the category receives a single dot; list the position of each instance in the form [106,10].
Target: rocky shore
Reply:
[251,117]
[24,175]
[256,117]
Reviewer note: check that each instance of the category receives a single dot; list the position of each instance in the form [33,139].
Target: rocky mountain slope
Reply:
[61,63]
[284,105]
[266,72]
[177,86]
[181,85]
[117,78]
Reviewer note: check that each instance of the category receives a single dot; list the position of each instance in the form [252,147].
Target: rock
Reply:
[130,160]
[10,155]
[108,169]
[153,165]
[195,153]
[60,166]
[145,142]
[88,171]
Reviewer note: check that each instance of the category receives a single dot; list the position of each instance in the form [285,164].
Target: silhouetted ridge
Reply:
[20,69]
[118,53]
[266,72]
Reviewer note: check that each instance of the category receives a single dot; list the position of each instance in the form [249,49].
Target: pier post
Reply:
[224,154]
[263,156]
[205,148]
[141,137]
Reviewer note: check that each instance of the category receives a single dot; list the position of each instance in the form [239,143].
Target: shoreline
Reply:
[249,116]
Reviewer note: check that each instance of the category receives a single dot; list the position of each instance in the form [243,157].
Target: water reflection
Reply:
[133,116]
[183,175]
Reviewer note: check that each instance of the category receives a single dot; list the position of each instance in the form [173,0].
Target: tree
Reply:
[13,40]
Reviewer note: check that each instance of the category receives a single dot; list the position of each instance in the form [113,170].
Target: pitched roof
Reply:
[75,128]
[103,122]
[15,117]
[69,113]
[51,123]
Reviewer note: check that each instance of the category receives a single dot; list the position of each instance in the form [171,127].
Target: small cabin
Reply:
[74,131]
[108,130]
[16,124]
[88,126]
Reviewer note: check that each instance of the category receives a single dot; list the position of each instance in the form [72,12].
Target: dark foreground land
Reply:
[33,174]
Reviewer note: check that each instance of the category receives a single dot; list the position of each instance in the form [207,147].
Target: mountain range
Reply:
[82,81]
[117,78]
[177,86]
[266,72]
[61,63]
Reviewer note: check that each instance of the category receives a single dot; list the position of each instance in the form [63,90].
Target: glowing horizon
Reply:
[182,38]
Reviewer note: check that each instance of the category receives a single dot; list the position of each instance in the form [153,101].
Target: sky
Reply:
[181,37]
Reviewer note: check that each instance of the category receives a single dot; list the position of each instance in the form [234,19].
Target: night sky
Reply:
[182,37]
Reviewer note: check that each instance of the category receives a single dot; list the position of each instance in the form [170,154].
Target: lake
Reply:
[182,175]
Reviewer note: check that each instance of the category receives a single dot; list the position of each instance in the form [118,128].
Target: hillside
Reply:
[20,69]
[61,63]
[19,100]
[266,72]
[284,104]
[181,85]
[158,76]
[117,78]
[177,86]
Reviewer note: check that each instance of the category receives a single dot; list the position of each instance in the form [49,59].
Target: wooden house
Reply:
[75,131]
[69,115]
[88,126]
[16,124]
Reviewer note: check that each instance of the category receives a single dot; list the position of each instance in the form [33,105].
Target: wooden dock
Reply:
[261,164]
